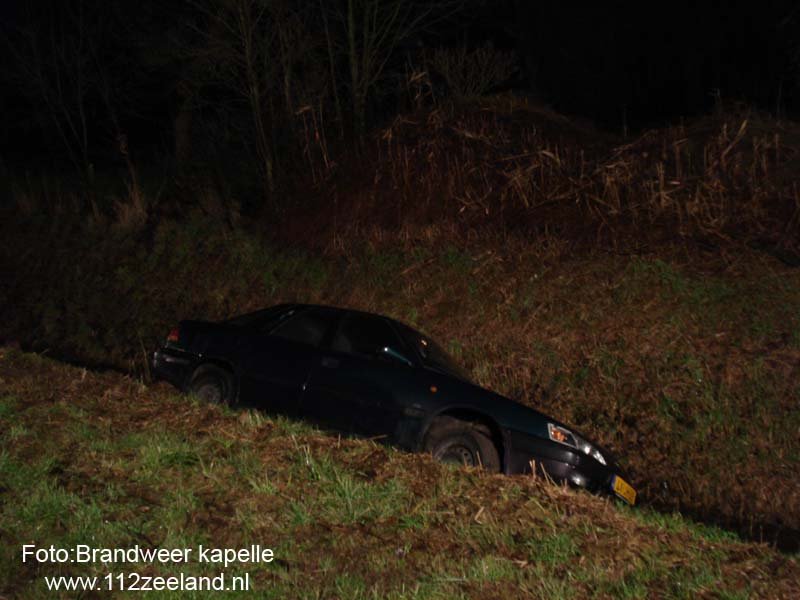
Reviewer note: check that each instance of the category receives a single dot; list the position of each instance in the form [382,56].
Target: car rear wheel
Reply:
[213,385]
[452,441]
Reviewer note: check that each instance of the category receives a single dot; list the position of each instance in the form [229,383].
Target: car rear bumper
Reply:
[172,366]
[528,454]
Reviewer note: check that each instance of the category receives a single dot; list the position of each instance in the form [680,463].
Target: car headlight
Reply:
[563,435]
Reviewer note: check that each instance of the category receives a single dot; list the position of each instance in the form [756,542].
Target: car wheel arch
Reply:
[469,415]
[212,363]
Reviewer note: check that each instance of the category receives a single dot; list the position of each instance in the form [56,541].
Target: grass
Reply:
[677,365]
[345,518]
[520,167]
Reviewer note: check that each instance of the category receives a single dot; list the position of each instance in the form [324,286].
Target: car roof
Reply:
[298,305]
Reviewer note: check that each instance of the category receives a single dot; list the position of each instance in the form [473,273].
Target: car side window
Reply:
[365,336]
[308,327]
[266,322]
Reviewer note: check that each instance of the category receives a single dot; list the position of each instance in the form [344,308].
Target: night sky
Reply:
[657,61]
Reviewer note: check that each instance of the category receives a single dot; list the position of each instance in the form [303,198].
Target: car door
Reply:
[361,382]
[276,362]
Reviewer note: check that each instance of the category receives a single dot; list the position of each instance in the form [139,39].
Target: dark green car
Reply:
[369,375]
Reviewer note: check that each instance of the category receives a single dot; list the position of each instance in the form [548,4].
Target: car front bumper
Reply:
[530,454]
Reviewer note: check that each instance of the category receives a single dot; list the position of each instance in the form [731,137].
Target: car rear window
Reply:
[259,319]
[307,327]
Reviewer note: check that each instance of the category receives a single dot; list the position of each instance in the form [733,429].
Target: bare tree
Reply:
[331,56]
[269,53]
[282,58]
[373,30]
[472,73]
[259,71]
[54,65]
[236,49]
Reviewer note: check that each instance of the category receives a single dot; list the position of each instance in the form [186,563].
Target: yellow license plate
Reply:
[624,490]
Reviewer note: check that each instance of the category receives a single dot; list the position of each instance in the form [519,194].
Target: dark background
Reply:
[623,65]
[656,61]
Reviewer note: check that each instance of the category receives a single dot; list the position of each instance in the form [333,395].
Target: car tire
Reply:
[453,441]
[212,384]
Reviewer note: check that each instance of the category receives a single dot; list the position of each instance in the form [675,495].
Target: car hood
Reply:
[512,415]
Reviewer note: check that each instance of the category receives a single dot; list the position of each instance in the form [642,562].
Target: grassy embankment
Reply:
[620,287]
[100,459]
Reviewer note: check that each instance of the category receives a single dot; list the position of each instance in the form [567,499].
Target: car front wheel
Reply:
[212,384]
[452,441]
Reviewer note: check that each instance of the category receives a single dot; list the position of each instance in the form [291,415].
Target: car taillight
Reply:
[173,335]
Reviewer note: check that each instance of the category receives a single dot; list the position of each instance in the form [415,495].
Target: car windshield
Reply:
[432,354]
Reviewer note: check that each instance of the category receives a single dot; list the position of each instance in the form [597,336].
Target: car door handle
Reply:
[330,363]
